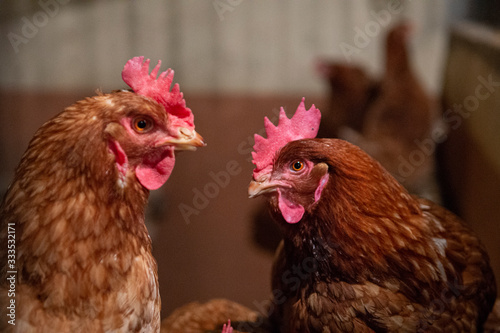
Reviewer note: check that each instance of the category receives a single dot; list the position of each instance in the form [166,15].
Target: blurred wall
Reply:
[221,46]
[471,154]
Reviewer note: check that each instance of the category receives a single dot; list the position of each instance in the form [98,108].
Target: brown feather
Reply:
[84,261]
[369,257]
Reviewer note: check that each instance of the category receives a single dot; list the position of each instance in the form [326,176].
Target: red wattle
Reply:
[292,213]
[153,174]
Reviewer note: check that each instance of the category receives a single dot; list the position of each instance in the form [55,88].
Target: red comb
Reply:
[136,76]
[303,125]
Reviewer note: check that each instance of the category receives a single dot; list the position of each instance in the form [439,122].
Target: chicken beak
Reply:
[186,141]
[258,188]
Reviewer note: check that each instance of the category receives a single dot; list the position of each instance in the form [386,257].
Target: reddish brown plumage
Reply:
[367,256]
[84,261]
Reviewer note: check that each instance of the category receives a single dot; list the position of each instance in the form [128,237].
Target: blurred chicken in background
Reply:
[393,119]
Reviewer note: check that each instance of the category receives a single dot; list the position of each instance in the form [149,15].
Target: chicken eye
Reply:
[142,124]
[297,166]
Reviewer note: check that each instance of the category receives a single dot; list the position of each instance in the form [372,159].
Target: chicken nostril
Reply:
[184,131]
[262,179]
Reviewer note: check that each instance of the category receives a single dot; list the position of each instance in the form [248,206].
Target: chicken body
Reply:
[83,253]
[360,254]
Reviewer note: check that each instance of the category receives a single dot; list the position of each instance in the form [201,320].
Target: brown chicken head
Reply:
[294,181]
[153,122]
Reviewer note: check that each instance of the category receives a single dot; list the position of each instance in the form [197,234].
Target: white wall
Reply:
[224,46]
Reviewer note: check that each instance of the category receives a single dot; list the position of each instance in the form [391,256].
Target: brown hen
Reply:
[79,254]
[360,254]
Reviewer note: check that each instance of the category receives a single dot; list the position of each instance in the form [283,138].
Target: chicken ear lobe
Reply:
[121,159]
[321,168]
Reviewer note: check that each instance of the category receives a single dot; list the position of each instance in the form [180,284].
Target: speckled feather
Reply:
[84,257]
[369,257]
